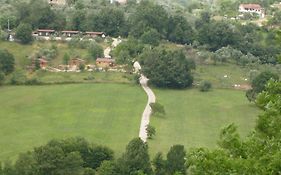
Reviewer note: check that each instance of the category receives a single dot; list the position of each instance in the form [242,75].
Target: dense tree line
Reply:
[78,157]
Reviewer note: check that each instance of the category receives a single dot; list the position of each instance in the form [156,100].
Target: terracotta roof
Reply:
[45,30]
[95,33]
[69,31]
[109,60]
[43,60]
[251,6]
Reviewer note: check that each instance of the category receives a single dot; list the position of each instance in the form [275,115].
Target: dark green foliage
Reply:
[66,58]
[107,168]
[24,33]
[97,155]
[2,78]
[151,131]
[166,68]
[135,158]
[127,51]
[151,37]
[218,34]
[160,164]
[108,20]
[176,159]
[179,30]
[148,16]
[205,86]
[7,62]
[157,108]
[82,67]
[18,78]
[259,83]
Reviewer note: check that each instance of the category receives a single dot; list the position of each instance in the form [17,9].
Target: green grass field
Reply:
[194,118]
[107,114]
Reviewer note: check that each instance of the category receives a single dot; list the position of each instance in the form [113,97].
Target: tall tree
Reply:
[135,158]
[176,159]
[24,33]
[7,62]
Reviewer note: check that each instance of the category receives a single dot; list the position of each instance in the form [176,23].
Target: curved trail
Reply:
[147,111]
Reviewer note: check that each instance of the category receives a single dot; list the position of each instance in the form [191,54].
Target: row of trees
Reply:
[76,156]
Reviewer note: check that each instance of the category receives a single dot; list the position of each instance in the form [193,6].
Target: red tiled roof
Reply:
[45,30]
[43,60]
[95,33]
[251,6]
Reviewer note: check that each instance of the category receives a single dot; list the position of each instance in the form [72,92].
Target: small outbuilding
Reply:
[94,34]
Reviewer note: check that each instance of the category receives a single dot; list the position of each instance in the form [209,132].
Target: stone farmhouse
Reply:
[252,8]
[57,2]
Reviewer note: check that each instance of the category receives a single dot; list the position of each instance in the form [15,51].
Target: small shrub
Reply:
[32,81]
[157,108]
[18,78]
[205,86]
[90,77]
[82,67]
[151,131]
[2,78]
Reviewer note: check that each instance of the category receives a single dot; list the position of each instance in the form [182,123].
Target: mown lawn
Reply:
[195,119]
[107,114]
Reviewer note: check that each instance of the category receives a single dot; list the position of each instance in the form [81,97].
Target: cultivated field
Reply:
[107,114]
[195,118]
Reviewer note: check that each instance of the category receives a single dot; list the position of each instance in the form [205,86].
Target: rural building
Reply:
[76,62]
[69,33]
[252,8]
[118,1]
[94,34]
[57,2]
[43,63]
[105,62]
[45,32]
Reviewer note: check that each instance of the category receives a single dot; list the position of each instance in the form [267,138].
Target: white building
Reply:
[119,1]
[252,8]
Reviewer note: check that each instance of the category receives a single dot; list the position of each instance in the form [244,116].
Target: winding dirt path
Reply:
[147,111]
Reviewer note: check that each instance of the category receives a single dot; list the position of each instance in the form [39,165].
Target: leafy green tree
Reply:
[176,160]
[135,158]
[218,34]
[7,62]
[66,58]
[95,50]
[18,78]
[151,131]
[26,165]
[107,168]
[259,83]
[151,37]
[157,108]
[159,164]
[2,78]
[108,20]
[179,30]
[24,33]
[166,68]
[96,155]
[148,16]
